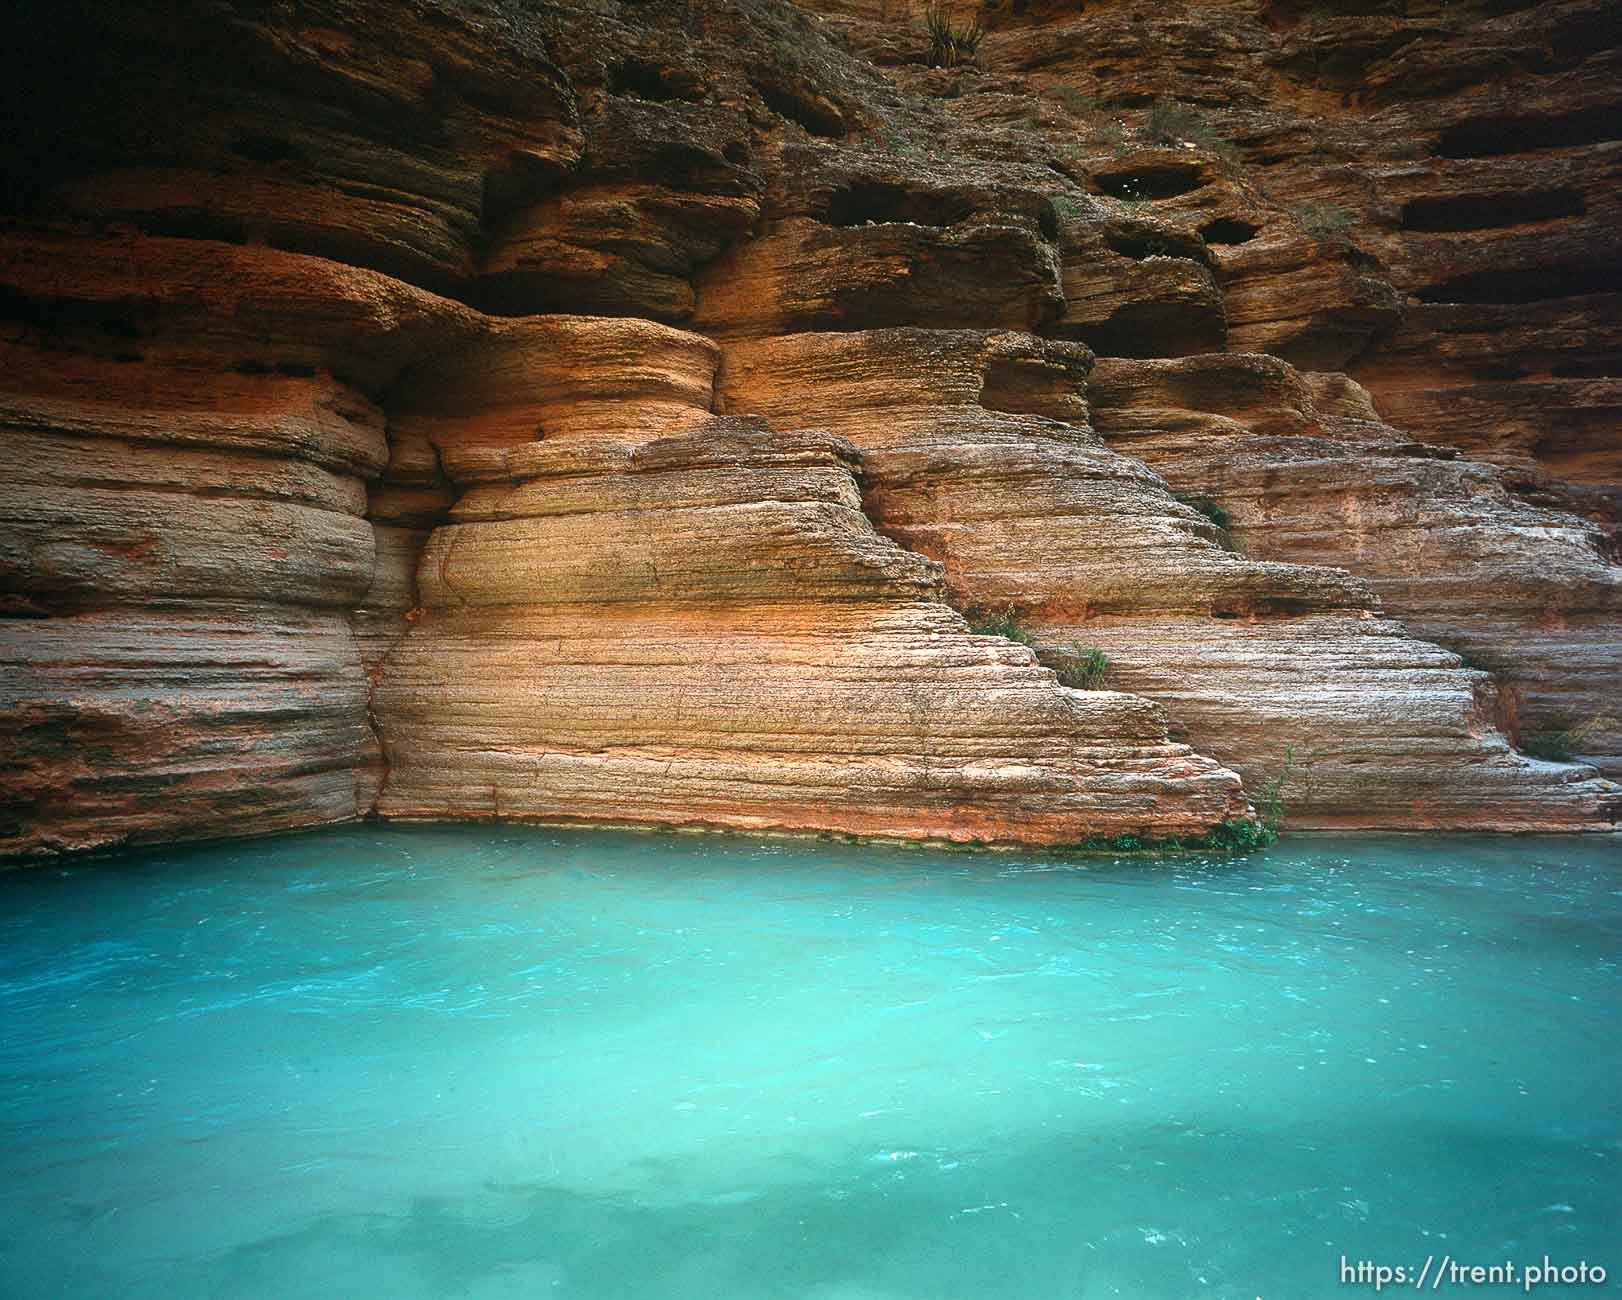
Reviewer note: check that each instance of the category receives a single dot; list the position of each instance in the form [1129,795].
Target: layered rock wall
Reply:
[585,412]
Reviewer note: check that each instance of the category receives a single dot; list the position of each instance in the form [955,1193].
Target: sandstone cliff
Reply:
[594,412]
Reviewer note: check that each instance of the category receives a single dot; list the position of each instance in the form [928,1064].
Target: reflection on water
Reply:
[460,1061]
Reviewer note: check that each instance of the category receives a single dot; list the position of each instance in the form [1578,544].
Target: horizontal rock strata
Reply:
[409,410]
[1254,660]
[705,631]
[181,539]
[1306,470]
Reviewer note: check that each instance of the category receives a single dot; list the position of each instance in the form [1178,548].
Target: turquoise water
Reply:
[511,1062]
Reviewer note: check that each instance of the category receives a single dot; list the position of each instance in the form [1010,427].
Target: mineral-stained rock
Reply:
[516,382]
[182,535]
[371,134]
[1423,194]
[1367,726]
[613,249]
[1135,288]
[138,726]
[705,631]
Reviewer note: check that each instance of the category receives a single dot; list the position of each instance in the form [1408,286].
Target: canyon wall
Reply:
[602,413]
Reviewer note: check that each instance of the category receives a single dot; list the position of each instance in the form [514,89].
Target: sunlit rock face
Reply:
[592,414]
[1262,663]
[1306,469]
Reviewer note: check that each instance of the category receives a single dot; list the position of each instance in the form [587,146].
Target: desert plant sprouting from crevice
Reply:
[951,44]
[1321,220]
[1236,836]
[1126,843]
[1213,511]
[1111,136]
[997,622]
[1561,744]
[1076,100]
[1082,668]
[1169,122]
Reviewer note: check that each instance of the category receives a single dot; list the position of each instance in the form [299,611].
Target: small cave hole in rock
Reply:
[820,119]
[1140,245]
[1532,285]
[1488,137]
[1029,386]
[1488,212]
[1579,35]
[1600,368]
[680,165]
[1165,181]
[1290,12]
[1500,372]
[645,81]
[878,202]
[1228,230]
[1281,607]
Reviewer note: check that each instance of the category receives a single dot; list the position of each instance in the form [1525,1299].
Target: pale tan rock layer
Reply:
[705,631]
[606,626]
[183,537]
[1307,470]
[1251,658]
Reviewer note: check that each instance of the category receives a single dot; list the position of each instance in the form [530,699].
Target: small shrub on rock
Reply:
[991,622]
[1083,669]
[1321,220]
[1560,744]
[1209,508]
[1237,836]
[951,44]
[1169,122]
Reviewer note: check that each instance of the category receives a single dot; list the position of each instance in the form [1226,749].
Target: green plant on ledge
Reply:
[1168,122]
[1076,100]
[1321,220]
[991,622]
[1121,844]
[950,45]
[1083,669]
[1236,836]
[898,141]
[1111,136]
[1560,744]
[1132,197]
[1209,508]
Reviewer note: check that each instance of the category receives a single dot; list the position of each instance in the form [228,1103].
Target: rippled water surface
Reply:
[459,1061]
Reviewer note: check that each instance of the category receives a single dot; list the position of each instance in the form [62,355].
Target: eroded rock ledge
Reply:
[594,413]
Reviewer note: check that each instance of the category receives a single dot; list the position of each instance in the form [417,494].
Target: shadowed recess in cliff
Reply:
[1485,212]
[1489,137]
